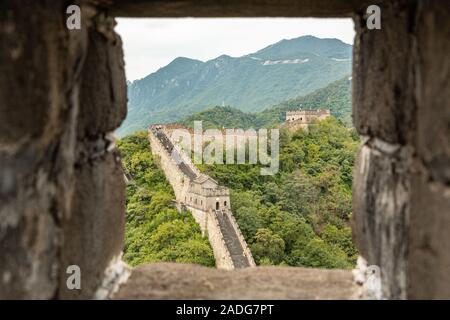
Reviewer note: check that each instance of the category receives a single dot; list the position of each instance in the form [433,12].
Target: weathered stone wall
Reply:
[40,66]
[428,236]
[61,186]
[401,187]
[200,217]
[237,8]
[182,281]
[95,228]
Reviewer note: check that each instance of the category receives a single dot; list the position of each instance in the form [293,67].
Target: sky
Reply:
[150,44]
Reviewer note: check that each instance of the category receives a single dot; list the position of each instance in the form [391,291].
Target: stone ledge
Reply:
[236,8]
[185,281]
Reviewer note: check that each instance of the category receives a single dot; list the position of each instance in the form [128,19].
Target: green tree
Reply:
[268,245]
[298,193]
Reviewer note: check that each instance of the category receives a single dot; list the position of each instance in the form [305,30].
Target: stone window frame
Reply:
[59,138]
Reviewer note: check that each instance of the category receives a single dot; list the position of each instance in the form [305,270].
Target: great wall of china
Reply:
[208,202]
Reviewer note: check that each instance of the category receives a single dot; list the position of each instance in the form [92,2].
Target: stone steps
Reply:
[168,145]
[232,241]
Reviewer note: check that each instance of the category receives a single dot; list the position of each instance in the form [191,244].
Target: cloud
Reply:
[150,44]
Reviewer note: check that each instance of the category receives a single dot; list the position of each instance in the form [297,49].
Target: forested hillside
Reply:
[219,117]
[336,97]
[155,230]
[299,217]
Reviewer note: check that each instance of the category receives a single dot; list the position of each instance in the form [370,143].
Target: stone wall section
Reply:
[247,252]
[62,199]
[180,184]
[201,211]
[177,179]
[402,181]
[220,249]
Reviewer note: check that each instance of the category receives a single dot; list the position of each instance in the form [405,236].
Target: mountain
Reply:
[336,97]
[251,83]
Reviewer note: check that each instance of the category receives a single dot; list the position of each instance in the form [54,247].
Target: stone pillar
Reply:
[62,198]
[429,237]
[401,187]
[40,63]
[94,232]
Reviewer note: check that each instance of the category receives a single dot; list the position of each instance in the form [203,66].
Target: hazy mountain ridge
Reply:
[251,83]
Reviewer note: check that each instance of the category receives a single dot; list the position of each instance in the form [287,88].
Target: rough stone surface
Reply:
[237,8]
[401,186]
[429,238]
[429,241]
[103,90]
[40,64]
[45,170]
[433,90]
[381,203]
[94,231]
[383,104]
[184,281]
